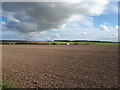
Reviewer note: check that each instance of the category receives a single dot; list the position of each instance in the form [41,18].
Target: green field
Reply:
[57,43]
[90,43]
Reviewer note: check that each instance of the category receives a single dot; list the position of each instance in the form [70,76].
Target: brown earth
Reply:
[60,66]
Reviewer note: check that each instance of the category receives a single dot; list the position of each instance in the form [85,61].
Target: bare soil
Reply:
[60,66]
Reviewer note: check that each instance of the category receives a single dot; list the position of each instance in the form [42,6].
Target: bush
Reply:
[76,44]
[53,43]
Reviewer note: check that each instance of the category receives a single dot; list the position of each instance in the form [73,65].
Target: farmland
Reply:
[80,42]
[60,66]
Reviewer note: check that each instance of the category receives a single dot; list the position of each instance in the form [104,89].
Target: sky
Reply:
[41,21]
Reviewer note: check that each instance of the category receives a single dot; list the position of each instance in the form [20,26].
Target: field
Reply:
[60,66]
[9,42]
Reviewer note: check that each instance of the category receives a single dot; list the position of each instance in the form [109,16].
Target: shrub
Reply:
[53,43]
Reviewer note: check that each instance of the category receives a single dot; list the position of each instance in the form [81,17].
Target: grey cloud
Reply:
[27,17]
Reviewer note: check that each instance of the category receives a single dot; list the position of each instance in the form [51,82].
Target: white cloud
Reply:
[116,34]
[80,33]
[11,18]
[56,36]
[103,27]
[2,23]
[106,28]
[84,33]
[117,27]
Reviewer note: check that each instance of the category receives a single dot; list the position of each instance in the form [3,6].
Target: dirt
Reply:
[60,66]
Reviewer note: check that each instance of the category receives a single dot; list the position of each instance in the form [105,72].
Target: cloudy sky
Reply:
[97,20]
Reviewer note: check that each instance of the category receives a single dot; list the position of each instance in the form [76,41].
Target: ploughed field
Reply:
[60,66]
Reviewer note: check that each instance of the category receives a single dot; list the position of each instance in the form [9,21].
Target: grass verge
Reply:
[5,86]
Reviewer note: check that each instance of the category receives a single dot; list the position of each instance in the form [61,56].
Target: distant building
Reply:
[68,43]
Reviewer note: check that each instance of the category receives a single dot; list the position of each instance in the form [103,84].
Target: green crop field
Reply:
[57,43]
